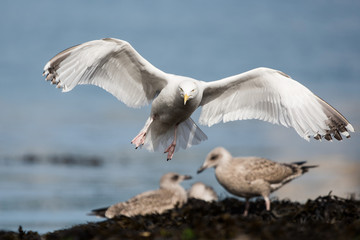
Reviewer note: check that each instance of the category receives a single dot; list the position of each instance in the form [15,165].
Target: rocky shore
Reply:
[326,217]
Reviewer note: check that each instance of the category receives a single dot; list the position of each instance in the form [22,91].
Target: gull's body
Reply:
[203,192]
[169,195]
[249,177]
[262,93]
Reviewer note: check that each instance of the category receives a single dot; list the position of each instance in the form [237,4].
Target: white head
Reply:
[214,158]
[171,179]
[203,192]
[188,90]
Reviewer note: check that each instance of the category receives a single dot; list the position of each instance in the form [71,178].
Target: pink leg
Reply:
[140,138]
[247,205]
[171,148]
[267,203]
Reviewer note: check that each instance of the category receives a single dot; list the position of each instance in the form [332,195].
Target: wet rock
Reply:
[91,161]
[327,217]
[66,159]
[20,235]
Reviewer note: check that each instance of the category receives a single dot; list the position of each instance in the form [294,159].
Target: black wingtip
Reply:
[299,163]
[306,168]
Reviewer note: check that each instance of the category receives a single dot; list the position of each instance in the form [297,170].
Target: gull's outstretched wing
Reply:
[111,64]
[272,96]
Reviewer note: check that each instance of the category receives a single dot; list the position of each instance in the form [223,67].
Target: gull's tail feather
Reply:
[100,212]
[188,134]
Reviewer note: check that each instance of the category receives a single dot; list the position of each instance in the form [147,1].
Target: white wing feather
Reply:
[111,64]
[272,96]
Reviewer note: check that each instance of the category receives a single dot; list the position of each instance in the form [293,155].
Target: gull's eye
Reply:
[175,178]
[213,157]
[181,89]
[193,90]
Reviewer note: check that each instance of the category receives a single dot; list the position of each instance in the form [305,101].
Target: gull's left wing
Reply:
[272,96]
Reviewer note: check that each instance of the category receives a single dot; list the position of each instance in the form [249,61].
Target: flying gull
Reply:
[262,93]
[169,195]
[203,192]
[249,177]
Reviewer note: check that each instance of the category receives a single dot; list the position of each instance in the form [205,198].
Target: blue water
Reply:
[317,43]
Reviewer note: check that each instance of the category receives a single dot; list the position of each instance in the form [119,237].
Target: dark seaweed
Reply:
[327,217]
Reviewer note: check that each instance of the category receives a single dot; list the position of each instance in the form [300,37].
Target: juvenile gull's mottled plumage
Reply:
[251,176]
[169,195]
[203,192]
[262,93]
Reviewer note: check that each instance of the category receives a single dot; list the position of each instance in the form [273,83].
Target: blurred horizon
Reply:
[316,43]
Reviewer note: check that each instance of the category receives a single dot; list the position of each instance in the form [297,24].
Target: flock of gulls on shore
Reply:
[262,93]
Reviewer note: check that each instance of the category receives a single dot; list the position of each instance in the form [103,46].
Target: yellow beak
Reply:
[186,97]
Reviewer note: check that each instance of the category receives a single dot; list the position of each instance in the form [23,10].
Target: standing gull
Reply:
[249,177]
[170,194]
[262,93]
[203,192]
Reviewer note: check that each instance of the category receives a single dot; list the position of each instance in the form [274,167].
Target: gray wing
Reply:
[272,96]
[111,64]
[146,203]
[272,172]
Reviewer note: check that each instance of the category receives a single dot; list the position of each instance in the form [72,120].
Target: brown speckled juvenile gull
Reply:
[262,93]
[203,192]
[169,195]
[251,176]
